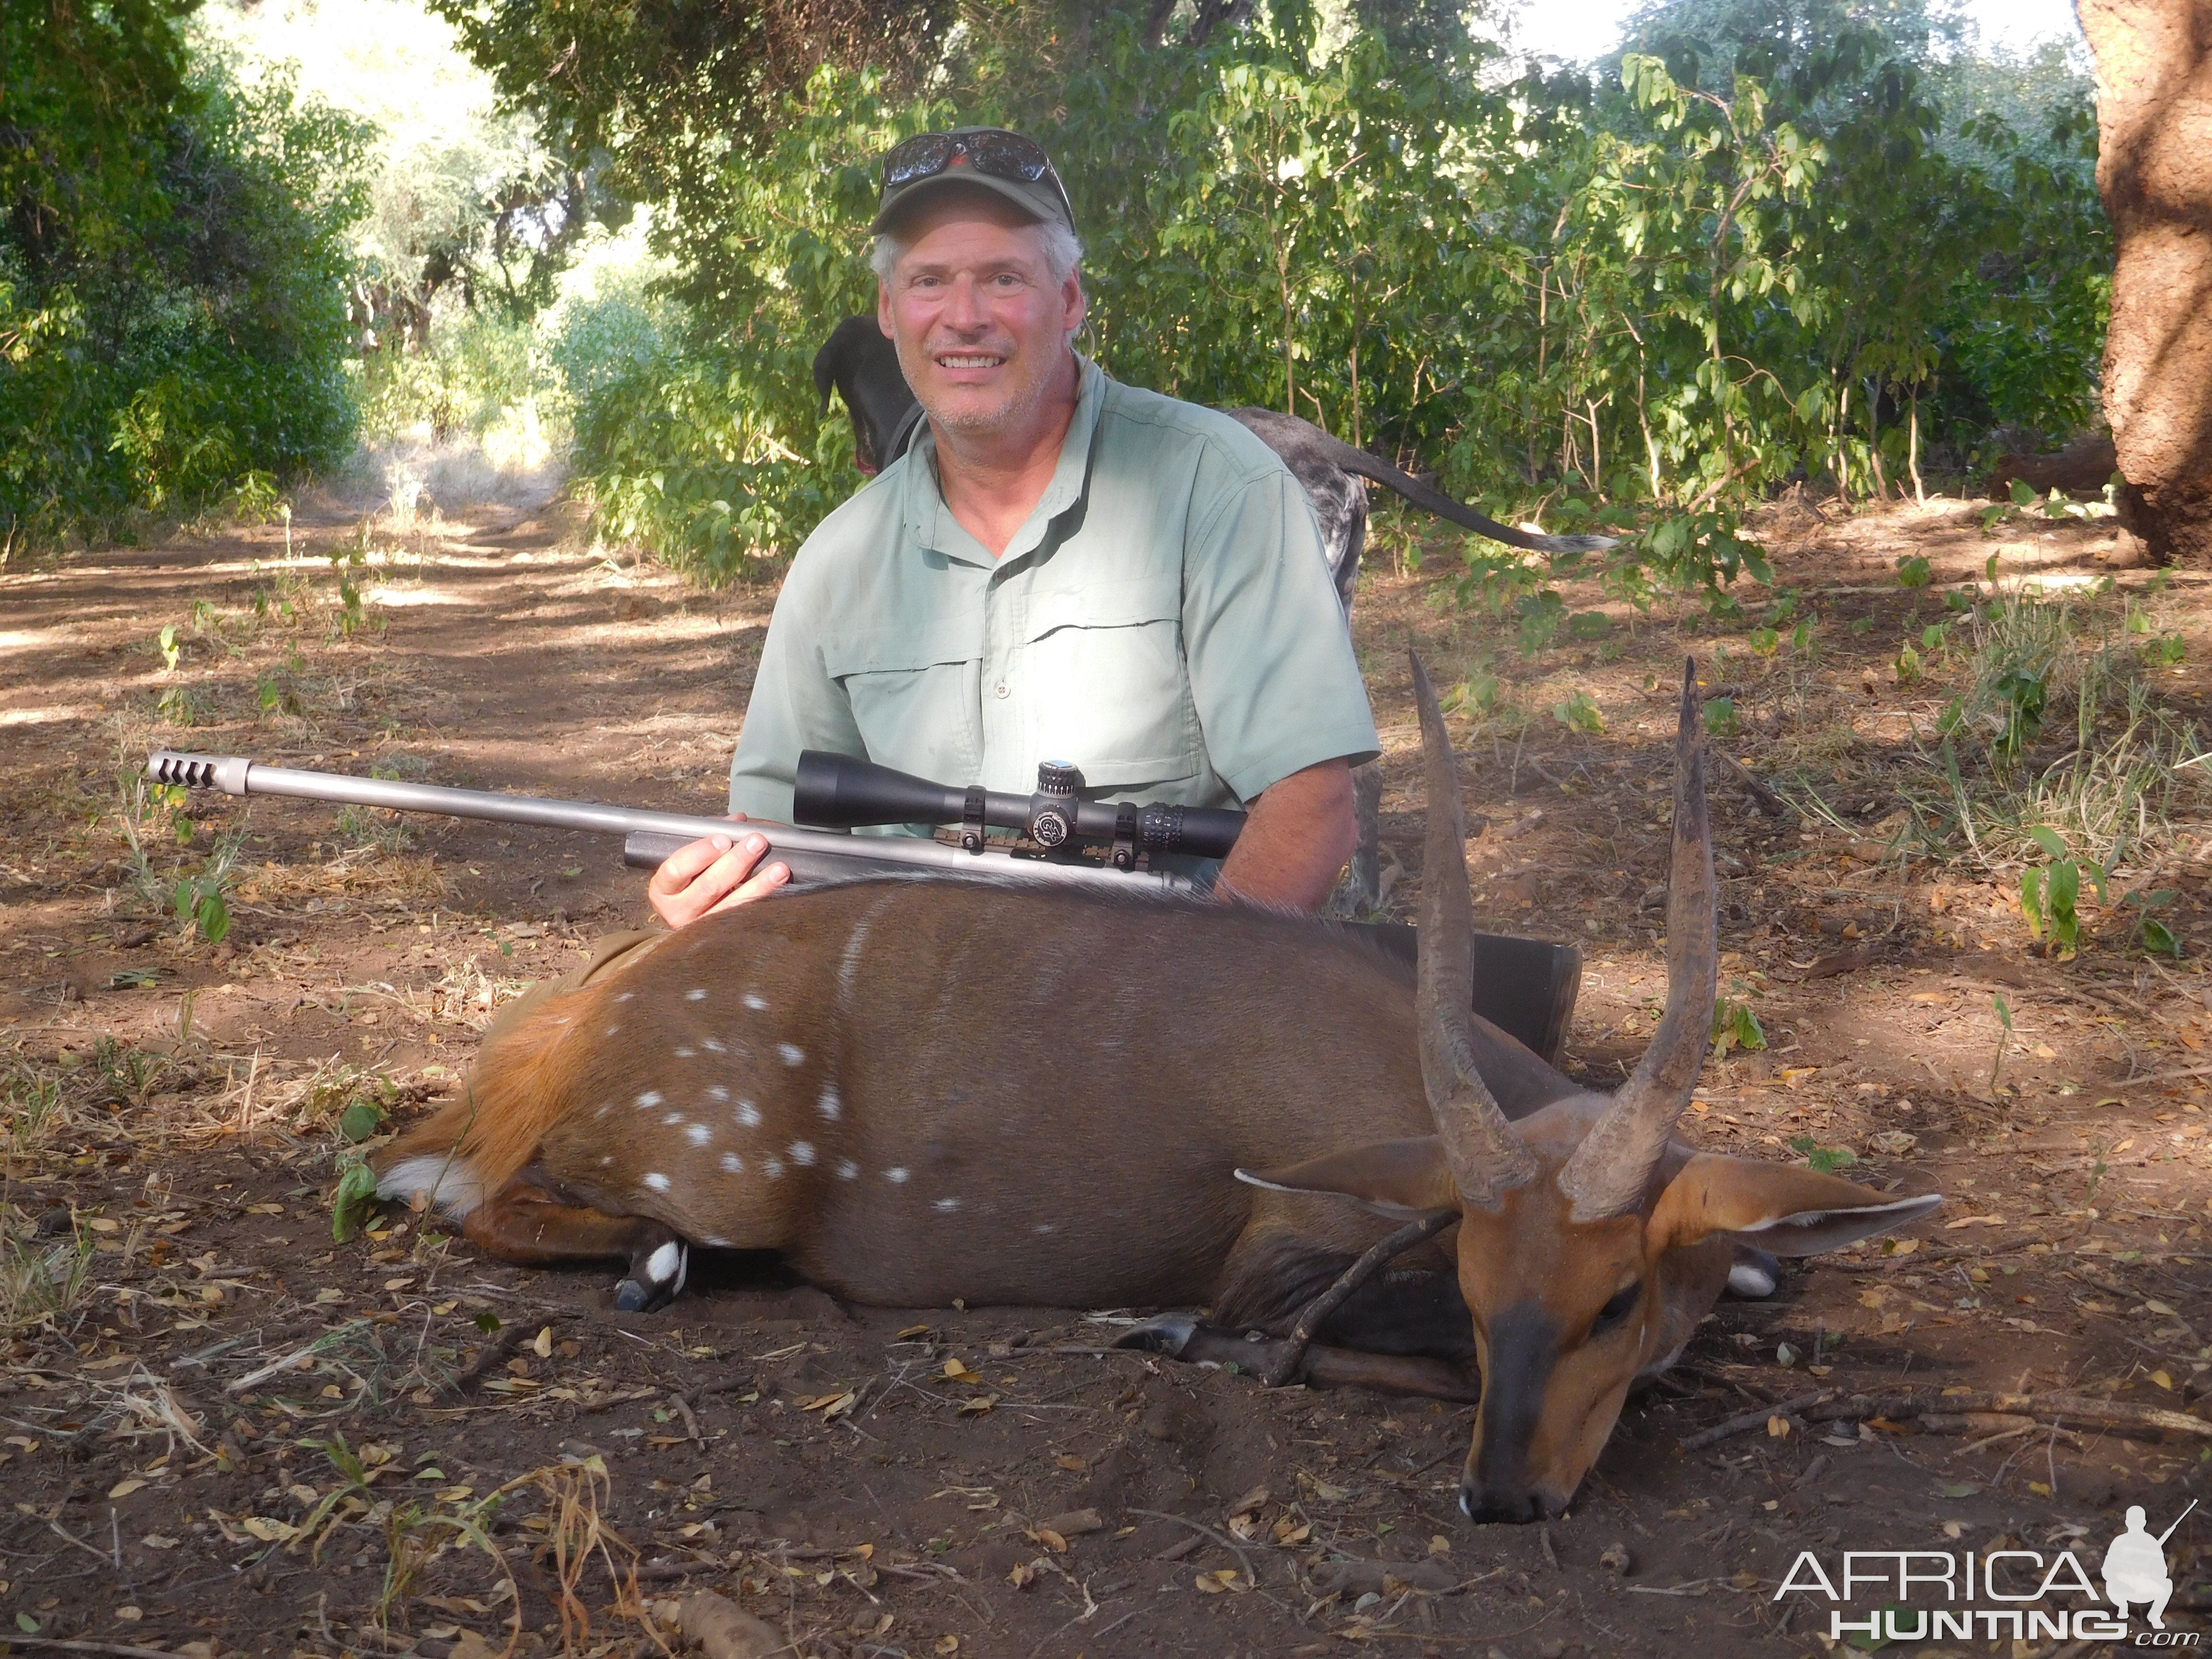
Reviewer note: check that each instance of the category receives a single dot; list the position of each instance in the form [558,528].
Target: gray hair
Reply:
[1063,252]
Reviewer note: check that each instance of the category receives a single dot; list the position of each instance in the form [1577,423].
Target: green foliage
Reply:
[1652,298]
[1720,717]
[1734,1026]
[1826,1160]
[172,310]
[353,1199]
[1579,713]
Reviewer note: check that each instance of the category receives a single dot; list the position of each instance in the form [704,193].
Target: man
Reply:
[1059,568]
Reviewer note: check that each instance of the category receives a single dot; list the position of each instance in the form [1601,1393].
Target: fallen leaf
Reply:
[1051,1540]
[2038,1489]
[1974,1221]
[2160,1308]
[1021,1575]
[125,1488]
[1290,1536]
[543,1347]
[1072,1465]
[1216,1582]
[155,1541]
[957,1372]
[1778,1427]
[976,1405]
[946,1644]
[130,1615]
[2163,1379]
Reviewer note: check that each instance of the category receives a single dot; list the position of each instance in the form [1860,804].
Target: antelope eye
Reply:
[1622,1304]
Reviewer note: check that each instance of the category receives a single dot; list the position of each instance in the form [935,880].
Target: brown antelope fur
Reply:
[919,1091]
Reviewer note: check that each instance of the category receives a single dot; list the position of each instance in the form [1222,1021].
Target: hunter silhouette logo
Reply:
[2135,1567]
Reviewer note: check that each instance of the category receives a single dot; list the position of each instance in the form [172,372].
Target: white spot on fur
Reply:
[650,1098]
[661,1264]
[802,1152]
[774,1168]
[716,1091]
[683,1054]
[450,1183]
[625,996]
[754,1001]
[608,1159]
[672,1119]
[613,1031]
[733,1165]
[700,1134]
[847,1169]
[948,1205]
[657,1181]
[696,994]
[715,1242]
[1045,1227]
[829,1106]
[713,1048]
[749,1115]
[895,1177]
[792,1053]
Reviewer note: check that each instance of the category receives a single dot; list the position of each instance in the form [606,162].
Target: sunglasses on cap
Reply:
[994,151]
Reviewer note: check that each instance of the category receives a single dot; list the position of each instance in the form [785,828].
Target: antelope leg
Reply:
[525,1223]
[1318,1310]
[1187,1337]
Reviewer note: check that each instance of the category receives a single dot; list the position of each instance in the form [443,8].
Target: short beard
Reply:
[1020,407]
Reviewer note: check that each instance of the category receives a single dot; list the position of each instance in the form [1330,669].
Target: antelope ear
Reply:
[1400,1178]
[1777,1207]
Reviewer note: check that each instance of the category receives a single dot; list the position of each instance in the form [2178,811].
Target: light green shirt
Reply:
[1164,620]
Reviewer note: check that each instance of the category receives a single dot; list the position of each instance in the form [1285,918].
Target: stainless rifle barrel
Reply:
[814,855]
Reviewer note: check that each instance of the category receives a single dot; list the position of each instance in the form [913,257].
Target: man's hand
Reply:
[712,875]
[1294,842]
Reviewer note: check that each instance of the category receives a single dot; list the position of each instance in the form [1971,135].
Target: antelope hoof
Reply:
[653,1282]
[1169,1334]
[1755,1275]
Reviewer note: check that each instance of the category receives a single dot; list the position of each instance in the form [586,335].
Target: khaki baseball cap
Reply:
[1005,163]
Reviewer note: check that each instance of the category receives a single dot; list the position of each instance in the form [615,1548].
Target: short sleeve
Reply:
[1273,673]
[796,704]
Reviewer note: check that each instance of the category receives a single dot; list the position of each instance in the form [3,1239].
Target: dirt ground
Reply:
[221,1430]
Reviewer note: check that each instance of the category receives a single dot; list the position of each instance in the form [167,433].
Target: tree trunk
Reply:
[2155,171]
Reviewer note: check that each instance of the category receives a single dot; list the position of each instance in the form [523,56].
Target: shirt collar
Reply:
[930,523]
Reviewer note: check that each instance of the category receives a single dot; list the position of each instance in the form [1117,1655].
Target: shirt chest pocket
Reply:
[912,691]
[1103,674]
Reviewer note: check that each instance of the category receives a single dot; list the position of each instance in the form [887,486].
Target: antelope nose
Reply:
[1515,1505]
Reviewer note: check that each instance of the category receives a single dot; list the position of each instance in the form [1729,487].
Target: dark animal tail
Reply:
[1360,464]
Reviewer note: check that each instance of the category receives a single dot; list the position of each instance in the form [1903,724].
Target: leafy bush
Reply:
[1651,296]
[172,330]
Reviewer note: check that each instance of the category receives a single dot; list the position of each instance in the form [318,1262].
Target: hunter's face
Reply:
[980,324]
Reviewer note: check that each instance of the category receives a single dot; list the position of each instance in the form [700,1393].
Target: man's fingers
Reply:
[682,866]
[707,875]
[758,886]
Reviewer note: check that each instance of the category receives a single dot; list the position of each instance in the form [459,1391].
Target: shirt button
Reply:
[999,689]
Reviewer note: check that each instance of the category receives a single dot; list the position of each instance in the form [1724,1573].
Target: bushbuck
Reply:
[918,1092]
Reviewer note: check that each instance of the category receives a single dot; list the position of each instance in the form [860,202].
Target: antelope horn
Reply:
[1487,1157]
[1609,1172]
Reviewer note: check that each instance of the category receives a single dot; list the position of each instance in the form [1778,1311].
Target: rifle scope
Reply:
[837,792]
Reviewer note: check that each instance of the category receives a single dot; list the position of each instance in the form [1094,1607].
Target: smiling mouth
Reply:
[968,361]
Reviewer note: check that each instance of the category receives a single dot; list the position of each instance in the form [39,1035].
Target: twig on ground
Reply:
[1769,803]
[1219,1537]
